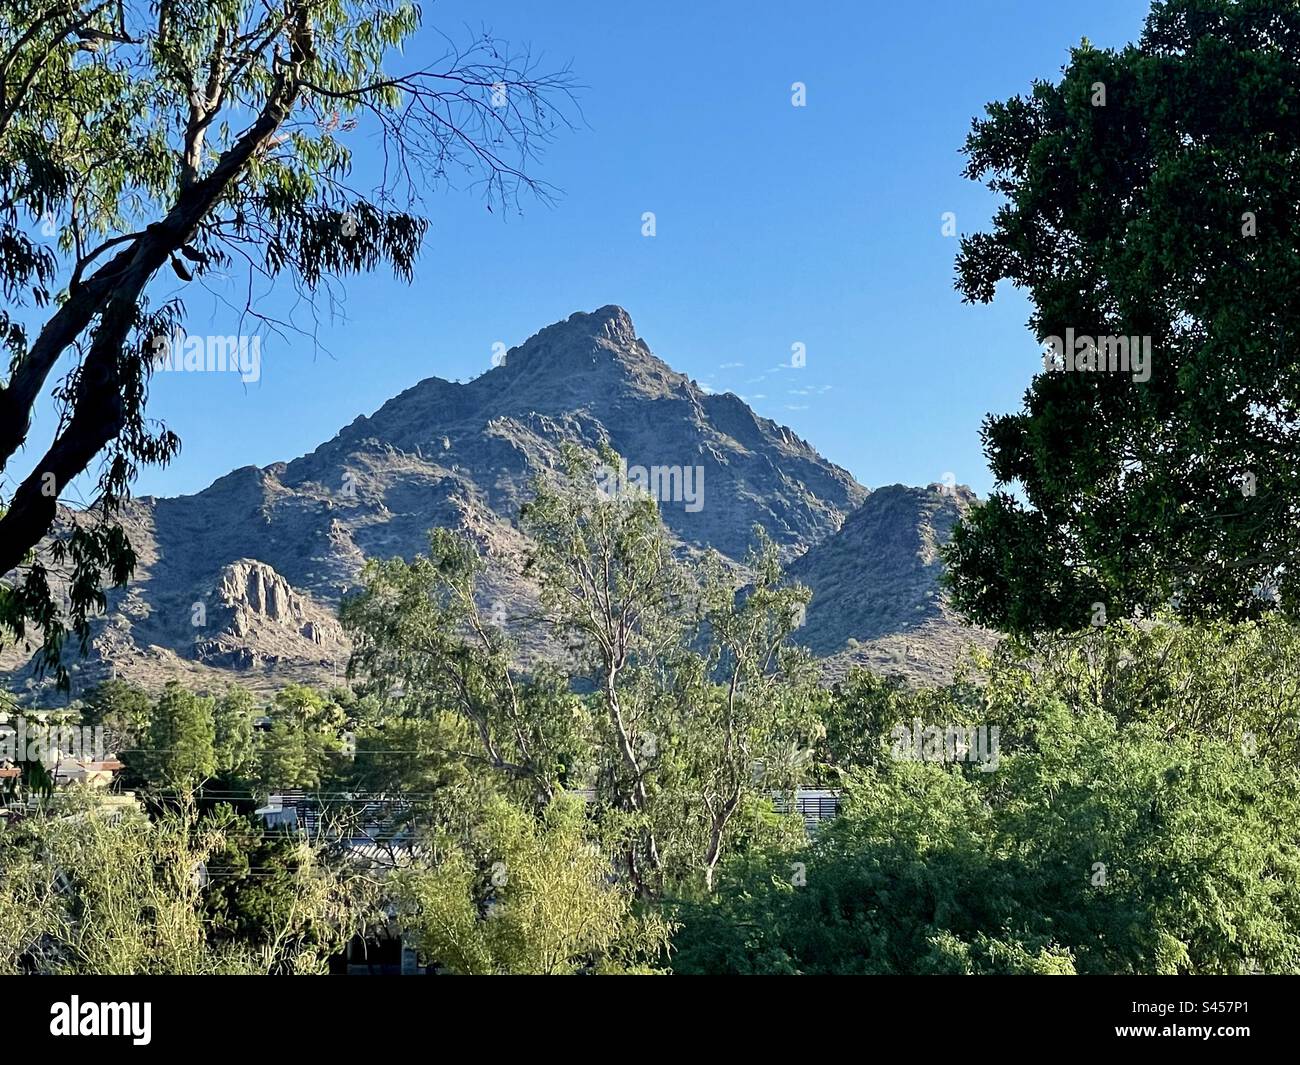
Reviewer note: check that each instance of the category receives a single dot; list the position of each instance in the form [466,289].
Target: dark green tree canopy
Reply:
[1150,193]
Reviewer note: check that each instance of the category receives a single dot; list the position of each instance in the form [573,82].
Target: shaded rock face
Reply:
[270,552]
[879,572]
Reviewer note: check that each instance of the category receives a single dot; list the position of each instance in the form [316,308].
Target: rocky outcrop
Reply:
[253,617]
[255,595]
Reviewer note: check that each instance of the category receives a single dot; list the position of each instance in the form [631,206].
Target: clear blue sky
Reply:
[775,224]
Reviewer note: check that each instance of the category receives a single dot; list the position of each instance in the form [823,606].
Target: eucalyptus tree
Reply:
[616,598]
[650,683]
[200,139]
[425,647]
[752,715]
[702,707]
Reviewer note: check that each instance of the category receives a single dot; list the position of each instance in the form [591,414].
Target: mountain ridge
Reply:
[452,454]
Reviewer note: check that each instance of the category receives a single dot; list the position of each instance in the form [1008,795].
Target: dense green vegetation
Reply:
[1112,790]
[1124,801]
[1148,194]
[1142,819]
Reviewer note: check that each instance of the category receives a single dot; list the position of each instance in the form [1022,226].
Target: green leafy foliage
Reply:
[539,899]
[1122,830]
[1147,193]
[124,894]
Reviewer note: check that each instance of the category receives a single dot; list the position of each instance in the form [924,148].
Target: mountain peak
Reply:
[592,350]
[610,322]
[581,335]
[460,456]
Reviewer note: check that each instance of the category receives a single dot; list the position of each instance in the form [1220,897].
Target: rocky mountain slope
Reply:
[875,582]
[242,580]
